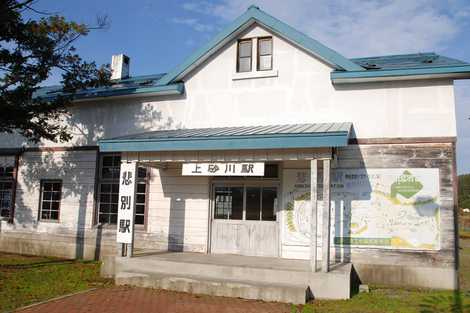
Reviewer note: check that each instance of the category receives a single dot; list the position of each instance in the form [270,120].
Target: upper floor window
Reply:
[265,54]
[244,55]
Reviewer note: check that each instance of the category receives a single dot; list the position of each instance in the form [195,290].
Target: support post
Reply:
[314,221]
[326,216]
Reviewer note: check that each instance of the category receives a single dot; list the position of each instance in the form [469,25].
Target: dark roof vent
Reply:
[370,66]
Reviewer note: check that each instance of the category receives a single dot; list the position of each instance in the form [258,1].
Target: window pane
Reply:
[141,188]
[265,46]
[229,203]
[244,64]
[140,198]
[55,206]
[56,196]
[139,219]
[264,62]
[140,209]
[105,187]
[253,197]
[108,160]
[104,208]
[113,219]
[141,172]
[103,218]
[269,197]
[244,48]
[54,215]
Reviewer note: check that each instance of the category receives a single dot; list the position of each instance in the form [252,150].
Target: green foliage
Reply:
[30,49]
[27,279]
[464,191]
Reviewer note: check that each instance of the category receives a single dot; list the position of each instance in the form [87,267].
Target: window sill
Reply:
[255,74]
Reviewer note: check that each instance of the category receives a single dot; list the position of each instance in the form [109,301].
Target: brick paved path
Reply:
[142,300]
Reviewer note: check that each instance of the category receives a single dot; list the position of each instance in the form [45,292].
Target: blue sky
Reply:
[157,35]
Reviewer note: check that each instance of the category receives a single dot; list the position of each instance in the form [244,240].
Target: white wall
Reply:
[302,92]
[178,209]
[77,172]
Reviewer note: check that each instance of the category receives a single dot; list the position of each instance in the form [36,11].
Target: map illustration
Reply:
[383,208]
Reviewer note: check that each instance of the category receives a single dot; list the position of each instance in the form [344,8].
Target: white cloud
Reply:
[357,27]
[194,23]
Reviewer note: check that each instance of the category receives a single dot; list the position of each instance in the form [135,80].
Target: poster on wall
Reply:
[379,208]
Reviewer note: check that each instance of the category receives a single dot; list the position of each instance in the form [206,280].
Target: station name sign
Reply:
[224,169]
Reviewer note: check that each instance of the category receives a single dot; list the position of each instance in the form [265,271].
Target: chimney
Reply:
[120,66]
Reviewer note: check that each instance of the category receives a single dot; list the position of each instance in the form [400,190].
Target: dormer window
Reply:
[244,55]
[265,54]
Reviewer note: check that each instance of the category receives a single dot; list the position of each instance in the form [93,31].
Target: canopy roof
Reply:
[233,138]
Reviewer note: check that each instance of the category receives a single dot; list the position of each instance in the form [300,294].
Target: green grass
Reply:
[29,279]
[403,300]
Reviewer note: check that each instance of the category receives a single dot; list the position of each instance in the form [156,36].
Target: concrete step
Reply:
[230,272]
[246,289]
[253,271]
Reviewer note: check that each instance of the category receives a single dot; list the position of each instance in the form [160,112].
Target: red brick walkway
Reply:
[142,300]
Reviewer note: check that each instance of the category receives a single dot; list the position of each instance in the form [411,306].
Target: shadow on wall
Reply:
[77,169]
[344,191]
[183,194]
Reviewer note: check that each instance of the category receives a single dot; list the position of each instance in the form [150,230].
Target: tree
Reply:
[464,191]
[30,49]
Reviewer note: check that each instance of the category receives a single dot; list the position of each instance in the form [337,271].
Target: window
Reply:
[6,190]
[245,203]
[244,55]
[108,190]
[229,203]
[51,194]
[265,54]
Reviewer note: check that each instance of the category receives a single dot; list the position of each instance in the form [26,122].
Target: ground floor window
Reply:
[6,190]
[6,198]
[245,202]
[51,194]
[108,190]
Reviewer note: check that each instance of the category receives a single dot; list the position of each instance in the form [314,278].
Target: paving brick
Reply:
[143,300]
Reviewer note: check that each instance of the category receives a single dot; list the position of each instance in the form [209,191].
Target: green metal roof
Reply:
[145,84]
[406,66]
[234,138]
[400,61]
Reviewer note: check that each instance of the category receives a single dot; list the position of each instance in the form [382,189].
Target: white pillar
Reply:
[326,216]
[126,207]
[313,212]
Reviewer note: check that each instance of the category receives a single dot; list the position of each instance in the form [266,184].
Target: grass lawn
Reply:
[404,300]
[29,279]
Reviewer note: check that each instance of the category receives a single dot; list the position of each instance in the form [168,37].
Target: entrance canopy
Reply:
[315,135]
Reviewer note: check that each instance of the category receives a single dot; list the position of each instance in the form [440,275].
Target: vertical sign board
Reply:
[126,208]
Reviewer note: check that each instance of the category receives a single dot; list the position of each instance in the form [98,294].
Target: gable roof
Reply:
[252,15]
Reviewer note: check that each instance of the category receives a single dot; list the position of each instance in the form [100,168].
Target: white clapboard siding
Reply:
[76,169]
[178,207]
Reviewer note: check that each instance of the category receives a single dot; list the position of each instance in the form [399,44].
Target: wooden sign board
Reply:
[224,169]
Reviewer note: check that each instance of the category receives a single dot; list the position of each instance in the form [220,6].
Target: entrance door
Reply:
[244,219]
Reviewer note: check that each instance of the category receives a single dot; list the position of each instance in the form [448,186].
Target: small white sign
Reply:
[224,169]
[125,224]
